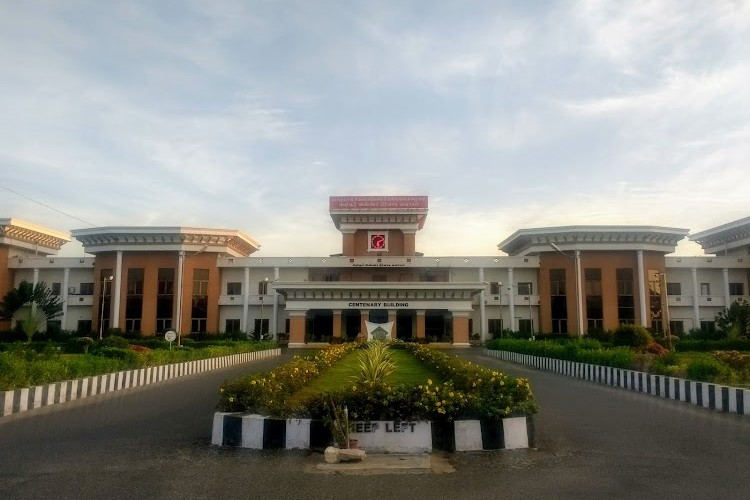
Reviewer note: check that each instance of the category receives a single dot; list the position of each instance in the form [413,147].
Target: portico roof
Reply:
[378,295]
[725,237]
[537,240]
[135,238]
[23,234]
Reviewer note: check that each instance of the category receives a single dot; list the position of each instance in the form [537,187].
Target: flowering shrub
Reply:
[469,391]
[268,393]
[738,361]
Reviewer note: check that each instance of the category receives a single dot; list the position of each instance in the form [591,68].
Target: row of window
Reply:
[735,289]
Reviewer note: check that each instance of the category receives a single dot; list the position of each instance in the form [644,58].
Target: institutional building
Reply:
[570,279]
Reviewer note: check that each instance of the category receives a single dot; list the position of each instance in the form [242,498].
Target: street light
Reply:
[101,314]
[579,304]
[263,290]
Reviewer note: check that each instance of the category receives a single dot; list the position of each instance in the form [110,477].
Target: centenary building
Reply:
[570,279]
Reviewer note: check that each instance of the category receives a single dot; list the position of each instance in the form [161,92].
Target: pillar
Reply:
[482,309]
[64,292]
[460,329]
[275,319]
[336,324]
[696,299]
[297,328]
[420,326]
[245,300]
[392,317]
[642,291]
[347,242]
[117,289]
[511,300]
[178,309]
[364,318]
[727,297]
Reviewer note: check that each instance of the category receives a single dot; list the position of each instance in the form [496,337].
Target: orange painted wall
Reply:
[201,261]
[608,262]
[150,262]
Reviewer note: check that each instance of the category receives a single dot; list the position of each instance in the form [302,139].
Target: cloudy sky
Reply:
[249,114]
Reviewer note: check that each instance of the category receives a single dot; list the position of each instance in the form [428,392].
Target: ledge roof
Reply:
[732,235]
[20,233]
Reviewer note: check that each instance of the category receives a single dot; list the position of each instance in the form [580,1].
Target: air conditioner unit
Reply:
[72,289]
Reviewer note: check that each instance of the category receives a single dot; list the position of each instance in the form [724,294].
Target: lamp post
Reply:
[579,304]
[101,314]
[263,292]
[664,297]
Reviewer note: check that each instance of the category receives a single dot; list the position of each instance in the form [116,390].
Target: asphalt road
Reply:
[592,442]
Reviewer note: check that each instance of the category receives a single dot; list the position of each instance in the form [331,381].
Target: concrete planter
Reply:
[263,433]
[28,398]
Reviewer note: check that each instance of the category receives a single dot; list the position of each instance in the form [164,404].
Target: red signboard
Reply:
[377,202]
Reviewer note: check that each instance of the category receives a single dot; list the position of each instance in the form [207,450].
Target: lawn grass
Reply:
[409,371]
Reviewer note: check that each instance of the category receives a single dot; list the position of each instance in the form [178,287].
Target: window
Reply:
[164,299]
[86,289]
[526,325]
[705,289]
[676,327]
[57,287]
[200,282]
[524,288]
[674,289]
[558,301]
[593,279]
[654,299]
[84,326]
[132,325]
[594,304]
[263,287]
[625,299]
[135,281]
[198,325]
[495,288]
[736,289]
[134,300]
[557,281]
[656,326]
[54,326]
[382,278]
[165,284]
[257,328]
[495,327]
[330,277]
[708,326]
[232,326]
[234,288]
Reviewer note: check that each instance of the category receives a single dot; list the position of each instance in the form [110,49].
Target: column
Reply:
[392,317]
[579,292]
[460,329]
[642,291]
[696,299]
[245,300]
[482,309]
[118,285]
[64,291]
[36,280]
[336,324]
[420,327]
[409,241]
[275,318]
[364,315]
[297,328]
[727,297]
[511,300]
[178,309]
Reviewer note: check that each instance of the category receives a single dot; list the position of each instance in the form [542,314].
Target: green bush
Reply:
[603,336]
[113,341]
[692,345]
[707,370]
[618,357]
[117,353]
[634,336]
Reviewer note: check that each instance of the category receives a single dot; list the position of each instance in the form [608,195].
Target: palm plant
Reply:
[375,363]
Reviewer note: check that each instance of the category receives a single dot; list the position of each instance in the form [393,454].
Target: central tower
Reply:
[378,225]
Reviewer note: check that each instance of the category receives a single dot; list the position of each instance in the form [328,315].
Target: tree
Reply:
[30,306]
[735,321]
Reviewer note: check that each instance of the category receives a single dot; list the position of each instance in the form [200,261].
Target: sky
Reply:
[248,115]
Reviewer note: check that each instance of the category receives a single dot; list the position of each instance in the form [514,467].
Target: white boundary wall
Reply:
[27,398]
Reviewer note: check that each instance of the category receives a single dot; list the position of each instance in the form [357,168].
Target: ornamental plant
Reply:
[375,363]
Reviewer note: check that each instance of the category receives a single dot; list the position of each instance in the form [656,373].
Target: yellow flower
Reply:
[429,381]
